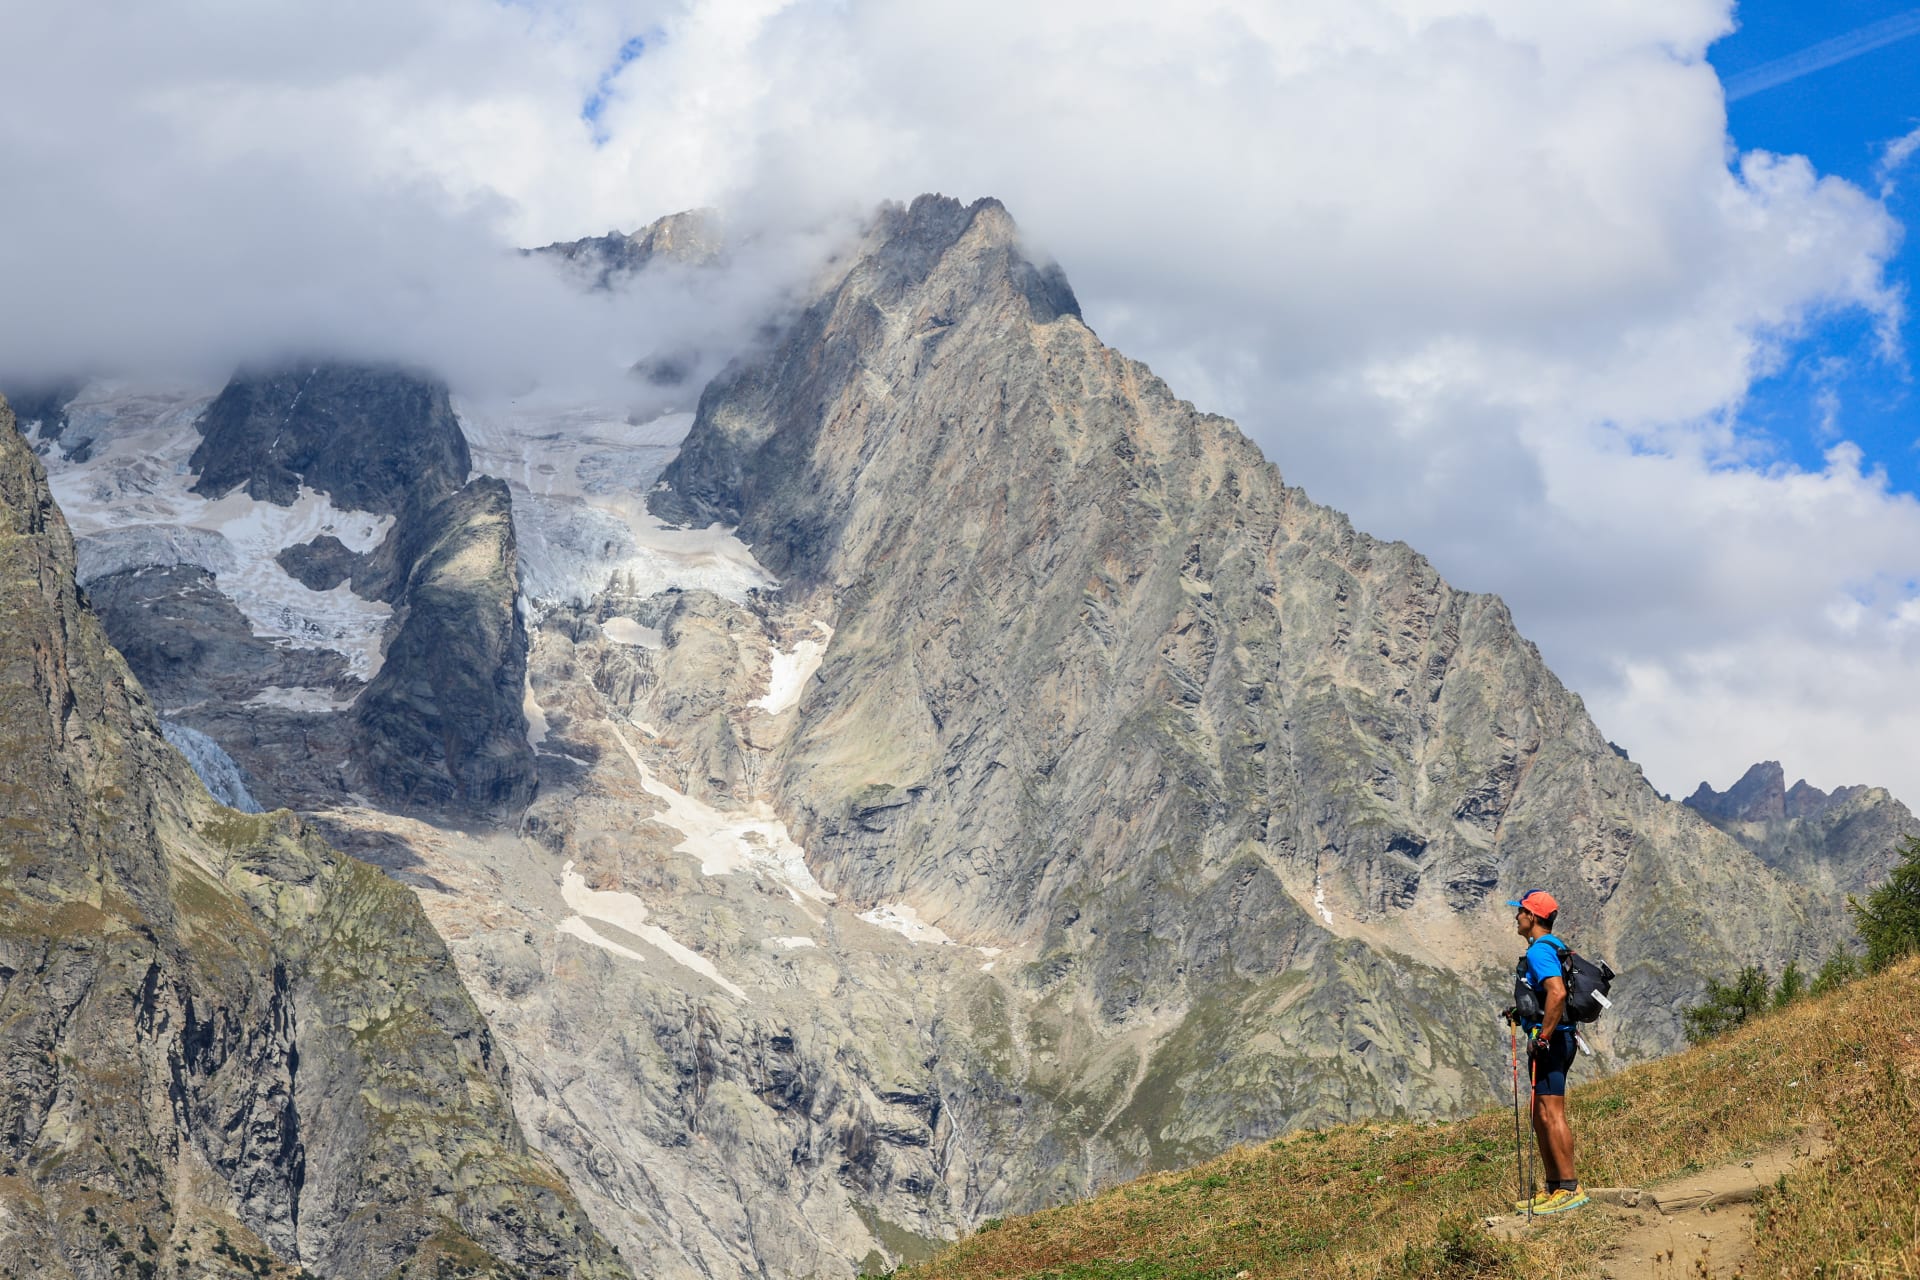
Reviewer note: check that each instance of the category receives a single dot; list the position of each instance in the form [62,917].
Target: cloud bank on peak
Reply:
[1485,274]
[198,185]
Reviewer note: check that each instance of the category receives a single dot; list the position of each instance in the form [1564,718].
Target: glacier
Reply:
[215,767]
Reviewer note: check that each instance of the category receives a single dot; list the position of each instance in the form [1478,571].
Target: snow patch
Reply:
[792,944]
[627,631]
[750,839]
[627,913]
[791,671]
[536,718]
[906,922]
[215,767]
[576,927]
[1320,902]
[130,503]
[530,705]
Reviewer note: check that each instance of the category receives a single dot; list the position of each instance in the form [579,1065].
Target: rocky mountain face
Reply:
[392,667]
[228,1050]
[1103,686]
[190,644]
[442,724]
[602,262]
[1030,791]
[1832,845]
[370,439]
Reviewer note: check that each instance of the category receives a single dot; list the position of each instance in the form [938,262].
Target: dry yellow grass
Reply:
[1405,1200]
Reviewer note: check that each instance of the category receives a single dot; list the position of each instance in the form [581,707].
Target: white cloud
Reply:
[199,183]
[1483,273]
[1894,159]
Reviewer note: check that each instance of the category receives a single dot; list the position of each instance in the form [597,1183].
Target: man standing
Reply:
[1540,998]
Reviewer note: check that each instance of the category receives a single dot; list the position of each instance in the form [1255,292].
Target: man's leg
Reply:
[1555,1138]
[1551,1131]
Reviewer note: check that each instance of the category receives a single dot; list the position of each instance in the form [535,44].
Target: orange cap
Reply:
[1536,902]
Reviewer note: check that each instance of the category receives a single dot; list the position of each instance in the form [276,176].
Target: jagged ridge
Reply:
[1832,845]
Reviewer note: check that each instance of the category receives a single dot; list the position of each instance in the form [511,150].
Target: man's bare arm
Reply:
[1556,989]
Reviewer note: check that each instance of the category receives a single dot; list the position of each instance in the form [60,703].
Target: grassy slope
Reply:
[1404,1200]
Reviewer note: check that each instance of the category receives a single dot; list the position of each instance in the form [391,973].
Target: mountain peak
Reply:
[1759,796]
[907,244]
[1828,843]
[690,238]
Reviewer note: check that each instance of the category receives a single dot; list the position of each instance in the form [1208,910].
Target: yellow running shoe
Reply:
[1540,1198]
[1563,1200]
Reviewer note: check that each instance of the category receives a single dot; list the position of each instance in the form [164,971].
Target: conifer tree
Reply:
[1889,920]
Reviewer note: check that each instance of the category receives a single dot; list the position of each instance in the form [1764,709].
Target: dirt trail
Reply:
[1697,1226]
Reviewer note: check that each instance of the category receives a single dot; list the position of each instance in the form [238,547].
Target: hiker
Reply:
[1550,1047]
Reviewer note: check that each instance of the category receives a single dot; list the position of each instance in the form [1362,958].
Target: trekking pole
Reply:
[1533,1154]
[1513,1054]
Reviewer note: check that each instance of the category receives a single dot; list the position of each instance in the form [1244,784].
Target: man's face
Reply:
[1522,921]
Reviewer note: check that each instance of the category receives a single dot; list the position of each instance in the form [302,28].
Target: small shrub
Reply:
[1840,969]
[1728,1004]
[1461,1249]
[1793,985]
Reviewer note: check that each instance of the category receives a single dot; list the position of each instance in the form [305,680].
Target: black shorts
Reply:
[1551,1063]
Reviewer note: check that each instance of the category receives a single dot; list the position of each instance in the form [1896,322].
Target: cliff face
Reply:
[1102,685]
[227,1049]
[442,723]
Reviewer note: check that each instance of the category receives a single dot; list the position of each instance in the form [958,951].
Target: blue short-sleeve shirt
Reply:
[1543,962]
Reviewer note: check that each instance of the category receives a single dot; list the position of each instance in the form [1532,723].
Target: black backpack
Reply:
[1588,982]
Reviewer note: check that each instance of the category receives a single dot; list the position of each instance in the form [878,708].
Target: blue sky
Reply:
[1843,117]
[595,106]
